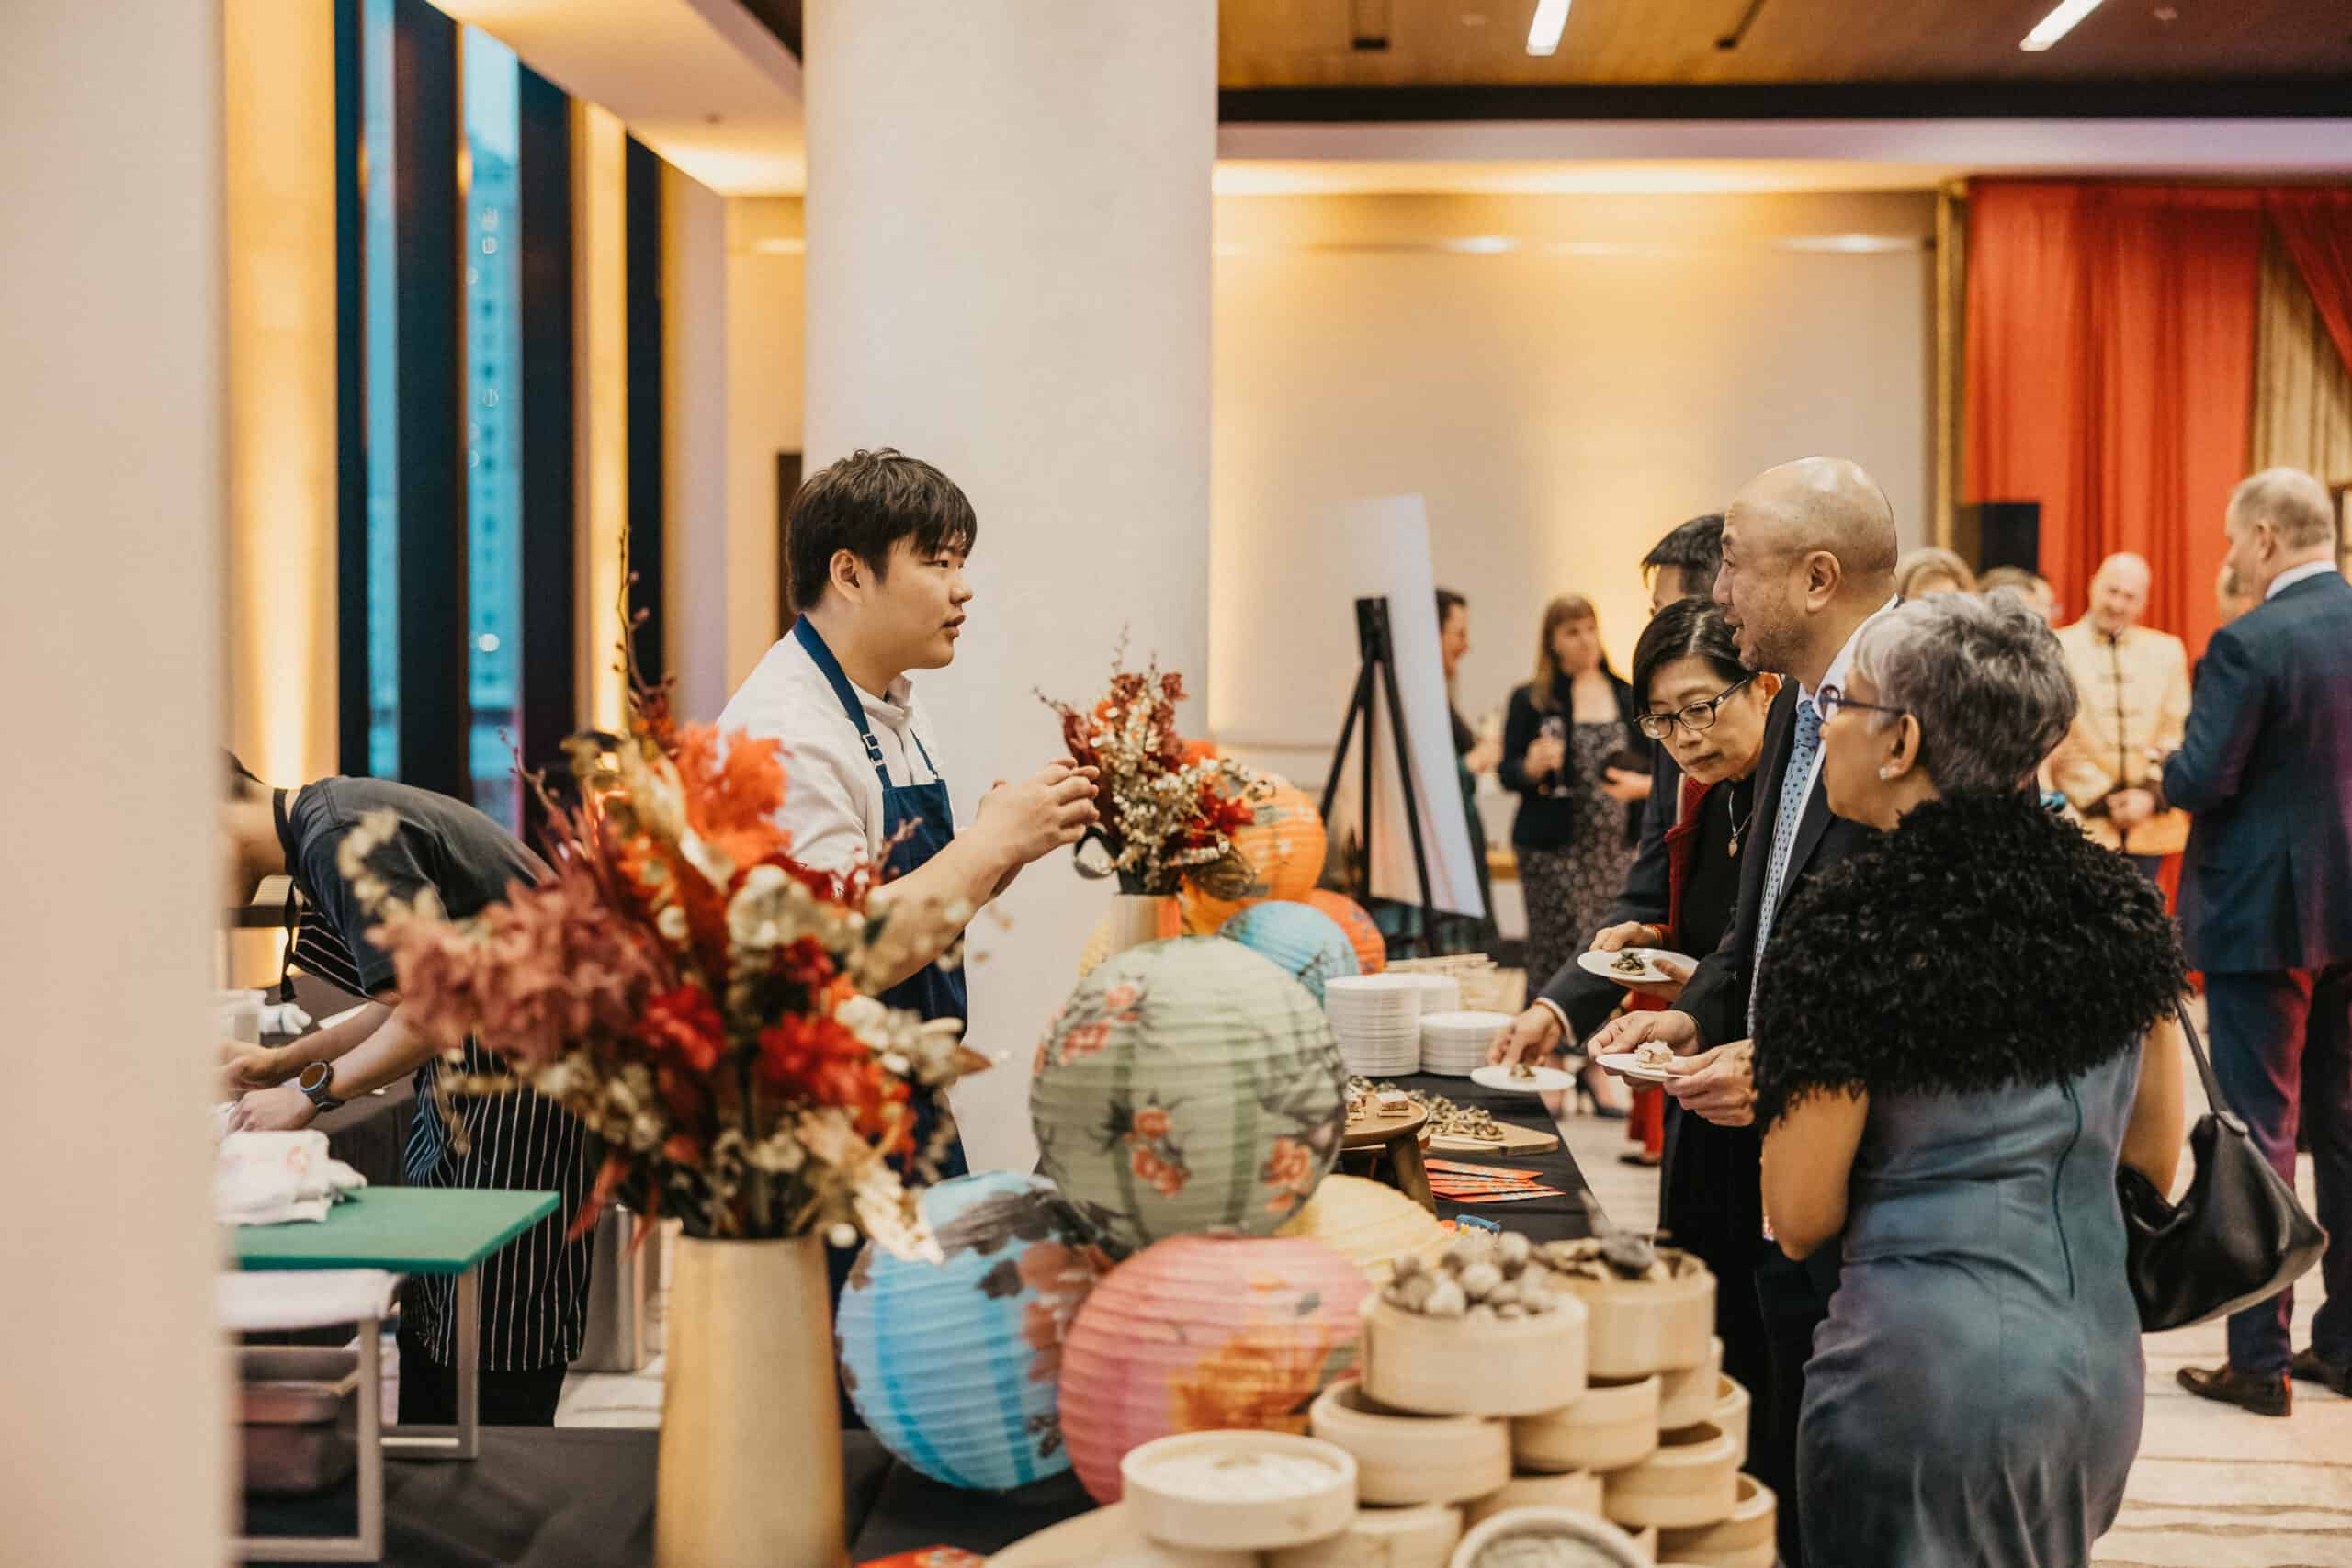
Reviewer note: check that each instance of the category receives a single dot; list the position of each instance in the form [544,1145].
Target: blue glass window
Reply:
[494,351]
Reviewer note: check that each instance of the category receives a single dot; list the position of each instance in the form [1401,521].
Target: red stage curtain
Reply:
[2316,226]
[2110,375]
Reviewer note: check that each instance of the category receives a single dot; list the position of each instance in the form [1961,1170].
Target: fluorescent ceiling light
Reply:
[1552,15]
[2047,31]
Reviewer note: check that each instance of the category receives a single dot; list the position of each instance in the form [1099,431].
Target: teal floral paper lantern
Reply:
[956,1366]
[1187,1085]
[1302,941]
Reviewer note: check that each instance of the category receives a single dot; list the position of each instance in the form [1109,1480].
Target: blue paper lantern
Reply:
[956,1366]
[1303,941]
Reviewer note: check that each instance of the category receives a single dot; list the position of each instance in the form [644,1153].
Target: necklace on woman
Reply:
[1738,823]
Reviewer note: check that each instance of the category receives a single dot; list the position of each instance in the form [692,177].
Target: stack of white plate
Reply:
[1439,993]
[1378,1020]
[1455,1042]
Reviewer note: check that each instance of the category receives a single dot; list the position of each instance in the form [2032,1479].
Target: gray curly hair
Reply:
[1985,679]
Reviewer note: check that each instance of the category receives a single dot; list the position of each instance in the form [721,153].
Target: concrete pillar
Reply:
[1008,275]
[116,1448]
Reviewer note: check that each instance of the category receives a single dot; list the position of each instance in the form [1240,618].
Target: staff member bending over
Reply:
[535,1293]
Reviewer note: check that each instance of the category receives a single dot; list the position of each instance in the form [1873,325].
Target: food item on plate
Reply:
[1631,963]
[1652,1054]
[1474,1278]
[1621,1256]
[1523,1069]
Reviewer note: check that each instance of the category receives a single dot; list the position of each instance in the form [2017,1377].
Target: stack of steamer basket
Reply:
[1611,1406]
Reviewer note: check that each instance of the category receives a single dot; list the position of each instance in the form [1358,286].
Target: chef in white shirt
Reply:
[876,545]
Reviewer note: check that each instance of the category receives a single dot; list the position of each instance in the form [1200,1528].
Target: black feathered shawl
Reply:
[1983,942]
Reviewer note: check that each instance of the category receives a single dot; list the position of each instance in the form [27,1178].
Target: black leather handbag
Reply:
[2238,1236]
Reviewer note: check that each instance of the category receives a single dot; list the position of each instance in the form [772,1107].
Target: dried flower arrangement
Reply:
[1170,814]
[699,1000]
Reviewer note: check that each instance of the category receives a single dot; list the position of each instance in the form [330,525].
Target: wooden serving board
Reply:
[1373,1132]
[1517,1140]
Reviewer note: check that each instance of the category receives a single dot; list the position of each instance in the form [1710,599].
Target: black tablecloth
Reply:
[571,1497]
[1564,1218]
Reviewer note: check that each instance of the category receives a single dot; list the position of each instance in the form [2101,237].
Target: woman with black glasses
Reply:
[1696,698]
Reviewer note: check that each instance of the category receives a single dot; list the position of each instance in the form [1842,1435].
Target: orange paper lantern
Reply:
[1201,1333]
[1363,935]
[1285,846]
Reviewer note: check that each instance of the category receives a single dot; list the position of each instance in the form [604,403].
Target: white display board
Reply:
[1386,554]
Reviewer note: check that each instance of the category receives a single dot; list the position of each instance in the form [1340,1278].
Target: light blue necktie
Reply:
[1796,787]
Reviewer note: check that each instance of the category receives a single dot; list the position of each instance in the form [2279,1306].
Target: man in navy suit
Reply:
[2264,768]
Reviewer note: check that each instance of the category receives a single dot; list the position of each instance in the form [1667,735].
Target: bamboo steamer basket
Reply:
[1407,1459]
[1750,1539]
[1691,1480]
[1597,1535]
[1460,1366]
[1614,1424]
[1646,1543]
[1637,1326]
[1578,1490]
[1176,1515]
[1421,1537]
[1733,1405]
[1689,1395]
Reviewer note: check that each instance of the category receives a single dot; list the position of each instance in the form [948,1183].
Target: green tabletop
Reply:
[409,1230]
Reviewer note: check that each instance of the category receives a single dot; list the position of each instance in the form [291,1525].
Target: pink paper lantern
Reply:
[1200,1334]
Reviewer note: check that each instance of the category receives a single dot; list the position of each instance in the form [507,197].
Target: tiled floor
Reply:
[2214,1487]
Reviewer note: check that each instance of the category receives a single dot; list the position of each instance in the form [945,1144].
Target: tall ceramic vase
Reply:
[750,1470]
[1136,918]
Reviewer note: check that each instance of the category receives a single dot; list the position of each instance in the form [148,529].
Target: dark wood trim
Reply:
[641,226]
[788,485]
[2226,98]
[426,126]
[781,17]
[550,700]
[350,401]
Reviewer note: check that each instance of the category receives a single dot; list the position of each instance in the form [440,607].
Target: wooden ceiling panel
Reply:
[1313,43]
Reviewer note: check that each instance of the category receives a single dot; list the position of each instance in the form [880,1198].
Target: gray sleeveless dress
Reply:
[1975,1395]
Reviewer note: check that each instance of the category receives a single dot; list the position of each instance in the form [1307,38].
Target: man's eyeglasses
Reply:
[1694,719]
[1828,701]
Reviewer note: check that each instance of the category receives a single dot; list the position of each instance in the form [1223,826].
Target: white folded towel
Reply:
[267,1178]
[307,1298]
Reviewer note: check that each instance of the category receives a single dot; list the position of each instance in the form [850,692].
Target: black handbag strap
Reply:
[2220,1107]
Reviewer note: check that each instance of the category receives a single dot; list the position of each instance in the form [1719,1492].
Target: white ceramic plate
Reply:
[1625,1064]
[1604,964]
[1547,1080]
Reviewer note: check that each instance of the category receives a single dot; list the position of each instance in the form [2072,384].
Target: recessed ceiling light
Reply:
[2051,27]
[1550,18]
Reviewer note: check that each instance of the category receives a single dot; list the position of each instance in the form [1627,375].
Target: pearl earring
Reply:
[1887,772]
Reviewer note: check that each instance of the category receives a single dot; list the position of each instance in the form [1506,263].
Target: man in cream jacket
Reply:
[2134,684]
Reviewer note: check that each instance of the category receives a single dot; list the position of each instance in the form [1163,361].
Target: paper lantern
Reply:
[1186,1086]
[1307,943]
[1098,942]
[1369,1223]
[956,1365]
[1363,932]
[1285,846]
[1202,1333]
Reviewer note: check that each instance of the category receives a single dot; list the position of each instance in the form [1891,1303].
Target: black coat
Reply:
[1554,821]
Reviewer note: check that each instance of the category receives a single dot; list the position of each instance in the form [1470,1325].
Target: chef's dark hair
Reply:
[240,779]
[866,503]
[1688,628]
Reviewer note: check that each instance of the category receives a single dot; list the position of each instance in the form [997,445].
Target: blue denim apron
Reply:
[934,992]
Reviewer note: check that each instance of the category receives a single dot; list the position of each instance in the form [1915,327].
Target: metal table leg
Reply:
[462,1441]
[367,1545]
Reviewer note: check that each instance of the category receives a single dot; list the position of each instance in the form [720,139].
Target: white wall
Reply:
[1627,363]
[765,254]
[693,440]
[115,1446]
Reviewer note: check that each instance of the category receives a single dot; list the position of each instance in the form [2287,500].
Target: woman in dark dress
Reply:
[1568,742]
[1708,710]
[1963,1031]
